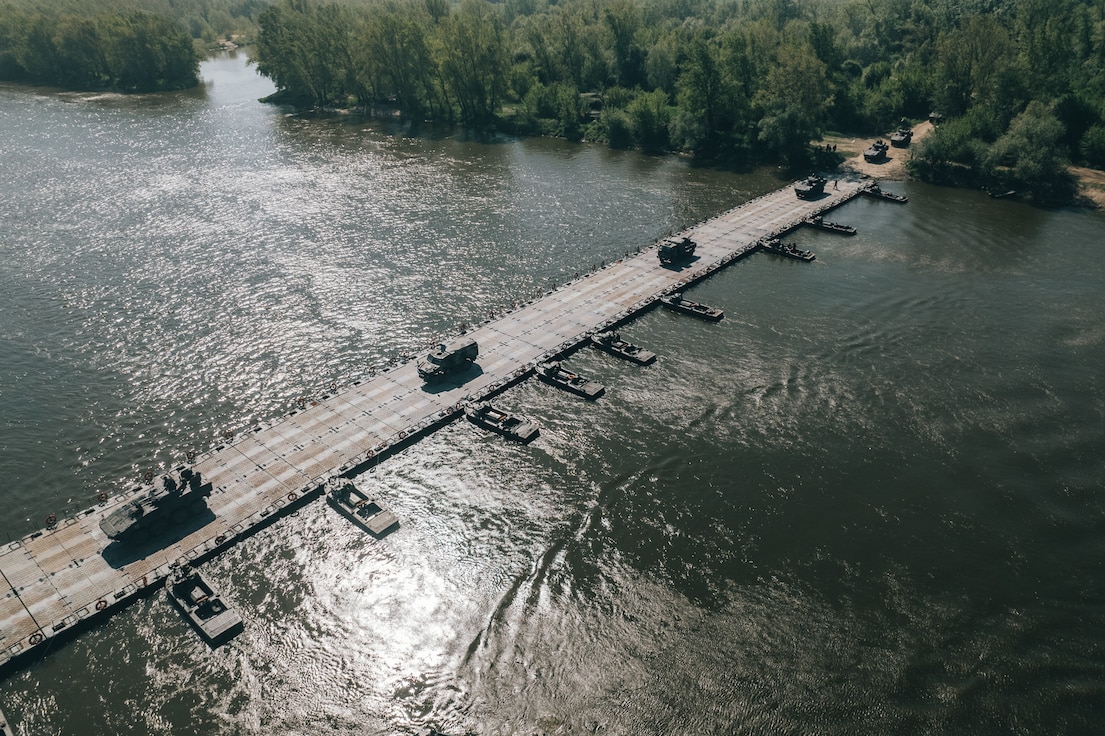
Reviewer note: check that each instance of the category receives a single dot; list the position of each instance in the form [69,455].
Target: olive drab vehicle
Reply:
[675,249]
[448,358]
[182,495]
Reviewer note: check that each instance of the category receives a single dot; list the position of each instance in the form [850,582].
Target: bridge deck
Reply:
[57,578]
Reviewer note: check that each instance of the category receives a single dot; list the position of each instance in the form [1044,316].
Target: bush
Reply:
[1092,146]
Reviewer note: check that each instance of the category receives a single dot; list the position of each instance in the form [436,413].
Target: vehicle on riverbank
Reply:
[901,138]
[876,152]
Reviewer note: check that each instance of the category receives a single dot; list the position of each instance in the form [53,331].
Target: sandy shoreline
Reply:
[892,167]
[1091,182]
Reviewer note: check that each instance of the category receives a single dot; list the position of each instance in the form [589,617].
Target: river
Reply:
[870,500]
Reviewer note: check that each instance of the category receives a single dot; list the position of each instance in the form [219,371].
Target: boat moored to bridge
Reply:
[74,573]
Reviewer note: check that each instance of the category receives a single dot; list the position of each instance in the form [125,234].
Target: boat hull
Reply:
[365,512]
[702,311]
[500,422]
[554,375]
[205,610]
[625,350]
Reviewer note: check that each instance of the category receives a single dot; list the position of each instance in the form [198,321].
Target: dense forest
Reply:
[126,45]
[1020,82]
[206,21]
[132,51]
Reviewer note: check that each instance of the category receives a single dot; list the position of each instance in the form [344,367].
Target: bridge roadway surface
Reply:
[70,574]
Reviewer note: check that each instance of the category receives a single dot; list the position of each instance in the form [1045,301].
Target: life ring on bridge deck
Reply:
[102,495]
[220,539]
[36,638]
[402,435]
[292,496]
[51,520]
[101,604]
[191,455]
[370,453]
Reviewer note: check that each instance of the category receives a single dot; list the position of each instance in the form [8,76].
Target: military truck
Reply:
[675,249]
[448,358]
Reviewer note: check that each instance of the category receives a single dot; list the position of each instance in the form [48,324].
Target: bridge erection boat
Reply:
[820,223]
[874,190]
[360,508]
[554,374]
[677,303]
[789,250]
[511,426]
[5,727]
[202,606]
[611,342]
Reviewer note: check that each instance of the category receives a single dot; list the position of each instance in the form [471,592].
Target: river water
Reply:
[870,500]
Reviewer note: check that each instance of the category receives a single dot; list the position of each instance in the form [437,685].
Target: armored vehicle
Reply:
[675,249]
[876,152]
[901,138]
[810,187]
[180,497]
[448,358]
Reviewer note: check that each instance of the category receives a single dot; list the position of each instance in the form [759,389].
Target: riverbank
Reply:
[892,167]
[1091,182]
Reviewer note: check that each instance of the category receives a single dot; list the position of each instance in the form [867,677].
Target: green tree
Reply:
[794,102]
[1029,156]
[473,61]
[702,94]
[970,62]
[397,60]
[623,19]
[650,116]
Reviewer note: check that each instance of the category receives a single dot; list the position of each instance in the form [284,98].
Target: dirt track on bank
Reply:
[1091,182]
[892,167]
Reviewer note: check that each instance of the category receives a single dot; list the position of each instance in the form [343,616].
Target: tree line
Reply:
[1019,81]
[133,51]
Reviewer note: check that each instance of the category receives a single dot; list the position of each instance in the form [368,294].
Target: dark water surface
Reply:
[869,501]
